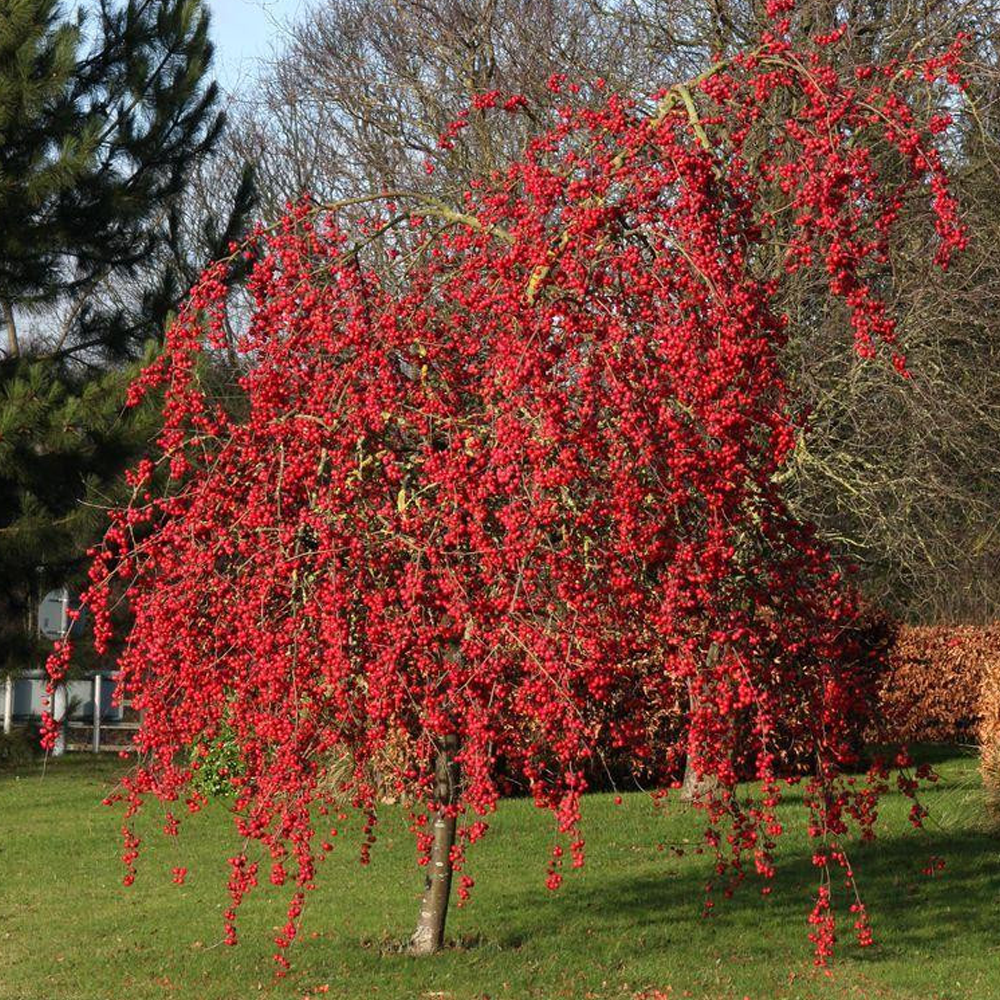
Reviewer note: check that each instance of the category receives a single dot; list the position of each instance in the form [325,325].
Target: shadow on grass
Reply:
[911,911]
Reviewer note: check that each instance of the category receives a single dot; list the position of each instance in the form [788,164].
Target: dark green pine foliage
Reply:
[106,117]
[63,440]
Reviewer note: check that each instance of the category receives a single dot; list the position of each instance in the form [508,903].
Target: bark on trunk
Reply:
[696,786]
[429,935]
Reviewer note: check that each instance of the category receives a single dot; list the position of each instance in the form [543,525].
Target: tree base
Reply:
[423,942]
[696,787]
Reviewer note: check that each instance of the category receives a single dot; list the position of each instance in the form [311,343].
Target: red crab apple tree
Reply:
[500,498]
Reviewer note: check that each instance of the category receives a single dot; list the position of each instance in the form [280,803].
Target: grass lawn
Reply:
[629,923]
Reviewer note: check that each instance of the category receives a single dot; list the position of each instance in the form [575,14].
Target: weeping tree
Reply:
[502,492]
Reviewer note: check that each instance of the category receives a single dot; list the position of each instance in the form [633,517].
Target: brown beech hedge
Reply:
[943,686]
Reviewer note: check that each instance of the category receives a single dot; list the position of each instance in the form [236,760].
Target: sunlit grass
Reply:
[630,922]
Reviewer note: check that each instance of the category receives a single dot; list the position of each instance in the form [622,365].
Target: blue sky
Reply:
[246,32]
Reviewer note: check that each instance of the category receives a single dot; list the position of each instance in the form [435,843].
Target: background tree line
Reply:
[120,177]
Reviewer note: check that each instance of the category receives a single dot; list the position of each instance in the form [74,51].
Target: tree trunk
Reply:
[429,935]
[696,786]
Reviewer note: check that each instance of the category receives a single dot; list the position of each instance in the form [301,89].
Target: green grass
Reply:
[629,922]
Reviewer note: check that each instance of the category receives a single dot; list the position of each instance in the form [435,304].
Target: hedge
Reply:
[943,686]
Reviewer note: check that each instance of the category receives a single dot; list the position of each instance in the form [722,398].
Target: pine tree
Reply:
[105,118]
